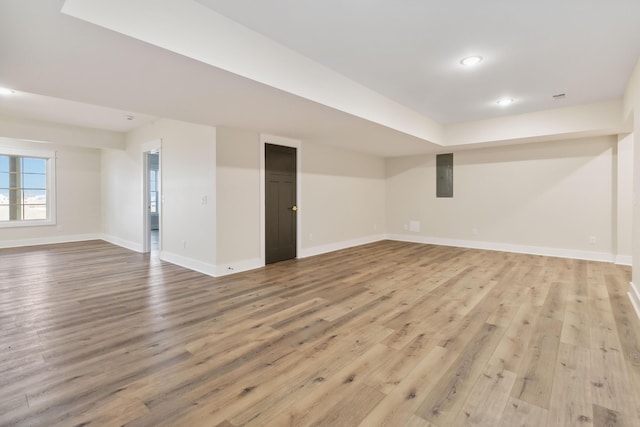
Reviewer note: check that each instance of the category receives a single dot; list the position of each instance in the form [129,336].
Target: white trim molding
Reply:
[127,244]
[624,260]
[49,240]
[634,296]
[186,262]
[323,249]
[238,266]
[506,247]
[190,263]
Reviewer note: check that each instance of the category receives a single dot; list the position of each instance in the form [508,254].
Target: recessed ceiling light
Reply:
[129,117]
[471,60]
[505,101]
[6,91]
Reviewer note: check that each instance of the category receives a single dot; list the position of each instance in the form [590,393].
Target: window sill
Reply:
[32,223]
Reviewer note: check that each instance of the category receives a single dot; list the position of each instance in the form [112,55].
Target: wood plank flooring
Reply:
[386,334]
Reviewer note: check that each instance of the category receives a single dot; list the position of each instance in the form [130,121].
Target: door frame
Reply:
[286,142]
[148,148]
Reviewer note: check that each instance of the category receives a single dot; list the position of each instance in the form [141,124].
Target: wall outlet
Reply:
[406,226]
[593,240]
[375,227]
[59,228]
[184,244]
[474,231]
[414,226]
[310,236]
[203,200]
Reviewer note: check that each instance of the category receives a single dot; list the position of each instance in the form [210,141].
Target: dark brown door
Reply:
[280,203]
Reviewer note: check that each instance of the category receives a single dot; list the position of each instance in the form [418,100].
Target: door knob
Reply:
[294,208]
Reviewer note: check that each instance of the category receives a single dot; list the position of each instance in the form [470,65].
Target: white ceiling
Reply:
[70,71]
[409,50]
[57,110]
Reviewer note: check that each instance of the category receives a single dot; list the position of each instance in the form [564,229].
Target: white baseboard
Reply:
[190,263]
[634,296]
[127,244]
[49,240]
[238,266]
[323,249]
[506,247]
[623,260]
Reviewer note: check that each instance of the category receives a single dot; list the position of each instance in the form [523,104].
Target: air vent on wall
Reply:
[559,96]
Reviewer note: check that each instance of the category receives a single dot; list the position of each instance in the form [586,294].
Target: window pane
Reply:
[32,165]
[34,181]
[34,212]
[4,180]
[37,197]
[4,213]
[4,196]
[4,163]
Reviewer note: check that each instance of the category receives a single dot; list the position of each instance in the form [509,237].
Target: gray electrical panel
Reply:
[444,175]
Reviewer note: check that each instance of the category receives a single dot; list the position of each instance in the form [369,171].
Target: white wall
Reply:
[636,201]
[624,199]
[343,200]
[632,109]
[631,103]
[188,159]
[36,130]
[238,199]
[78,198]
[634,290]
[543,198]
[122,197]
[589,120]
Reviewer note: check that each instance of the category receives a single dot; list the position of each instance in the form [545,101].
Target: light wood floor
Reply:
[384,334]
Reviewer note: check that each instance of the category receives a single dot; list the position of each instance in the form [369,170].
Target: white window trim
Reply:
[50,156]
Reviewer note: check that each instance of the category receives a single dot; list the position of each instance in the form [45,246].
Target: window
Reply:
[153,191]
[26,188]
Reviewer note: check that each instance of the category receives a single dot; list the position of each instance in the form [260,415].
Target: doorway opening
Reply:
[152,203]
